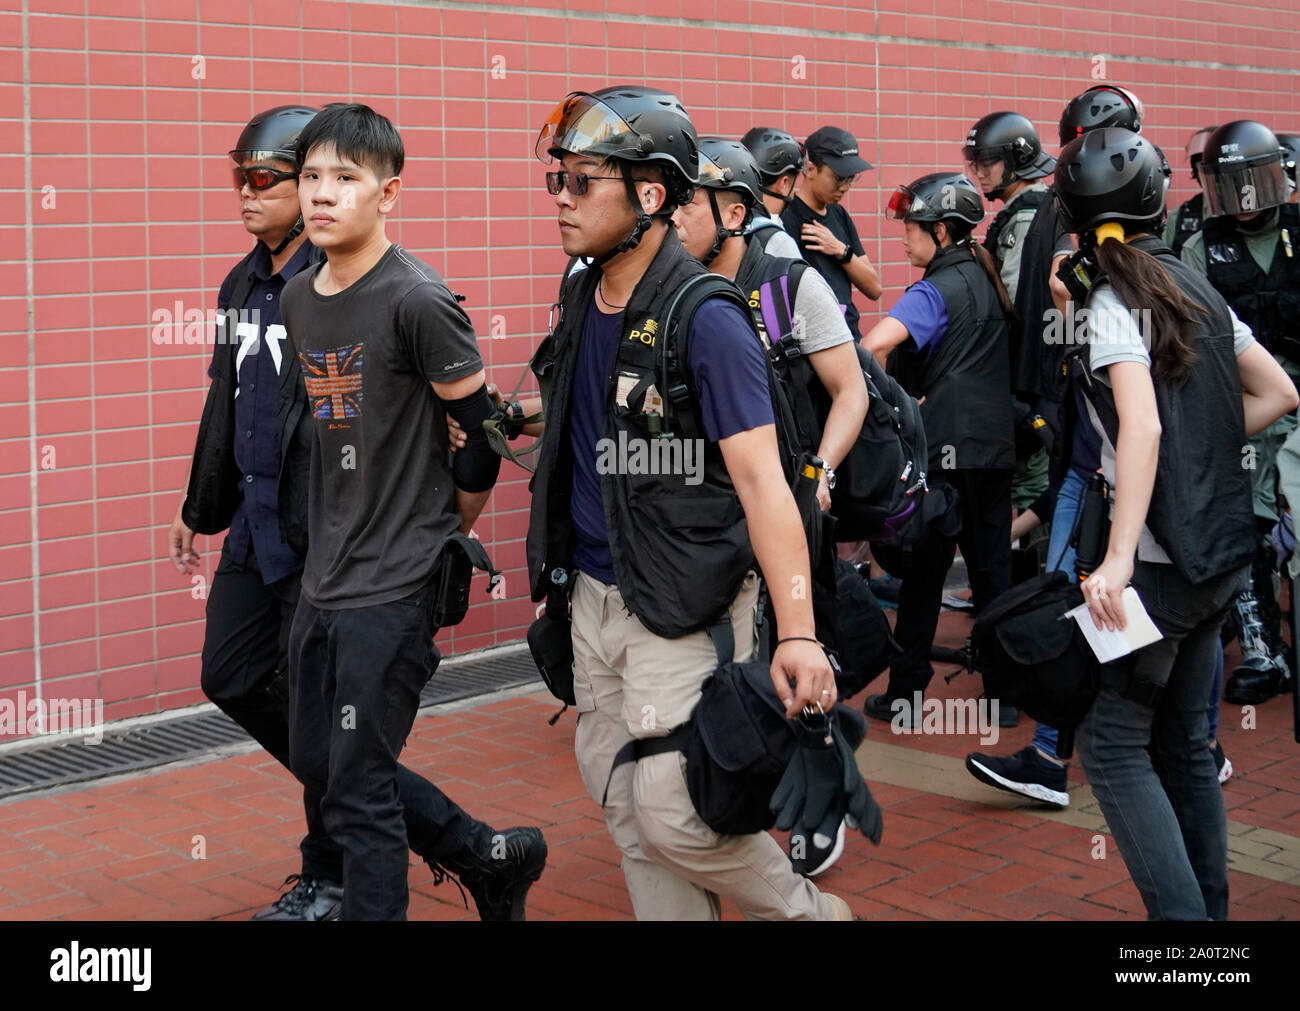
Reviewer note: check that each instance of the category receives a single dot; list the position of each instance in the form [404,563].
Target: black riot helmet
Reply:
[272,134]
[1291,147]
[726,165]
[1011,138]
[628,125]
[1101,105]
[1242,170]
[949,197]
[1111,174]
[775,152]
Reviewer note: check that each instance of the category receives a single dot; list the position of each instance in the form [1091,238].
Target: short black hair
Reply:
[359,134]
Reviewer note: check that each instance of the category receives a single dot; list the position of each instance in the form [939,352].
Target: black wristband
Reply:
[797,638]
[848,254]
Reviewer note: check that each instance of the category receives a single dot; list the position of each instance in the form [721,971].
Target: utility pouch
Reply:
[461,555]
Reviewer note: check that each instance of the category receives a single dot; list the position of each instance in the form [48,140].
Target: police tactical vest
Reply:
[1200,511]
[680,551]
[965,379]
[1268,303]
[1188,221]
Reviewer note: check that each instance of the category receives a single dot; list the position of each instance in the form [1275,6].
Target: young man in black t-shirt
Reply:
[825,232]
[386,354]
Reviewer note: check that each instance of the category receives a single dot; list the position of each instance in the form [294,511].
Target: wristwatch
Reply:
[848,254]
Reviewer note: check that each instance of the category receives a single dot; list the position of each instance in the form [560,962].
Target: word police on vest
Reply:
[945,716]
[76,964]
[651,456]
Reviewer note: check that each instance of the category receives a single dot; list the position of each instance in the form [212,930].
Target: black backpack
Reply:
[1033,657]
[865,643]
[880,488]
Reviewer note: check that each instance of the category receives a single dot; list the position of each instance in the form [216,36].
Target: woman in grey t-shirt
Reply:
[1174,386]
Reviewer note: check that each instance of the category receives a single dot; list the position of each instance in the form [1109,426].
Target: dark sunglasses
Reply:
[259,177]
[576,182]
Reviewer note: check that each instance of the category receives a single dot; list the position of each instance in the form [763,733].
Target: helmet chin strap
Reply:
[785,198]
[721,233]
[643,222]
[289,236]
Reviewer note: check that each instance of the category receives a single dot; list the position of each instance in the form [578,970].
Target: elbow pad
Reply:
[475,467]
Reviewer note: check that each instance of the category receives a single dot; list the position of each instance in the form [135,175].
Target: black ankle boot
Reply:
[497,868]
[1260,675]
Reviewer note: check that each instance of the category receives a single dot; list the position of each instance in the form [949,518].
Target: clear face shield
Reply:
[1243,188]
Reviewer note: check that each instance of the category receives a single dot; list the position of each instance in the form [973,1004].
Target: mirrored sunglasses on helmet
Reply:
[259,177]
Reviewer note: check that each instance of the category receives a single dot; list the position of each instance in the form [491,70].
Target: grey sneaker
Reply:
[309,899]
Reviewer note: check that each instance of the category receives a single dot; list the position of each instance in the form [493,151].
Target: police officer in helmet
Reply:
[946,342]
[1249,248]
[649,561]
[1186,221]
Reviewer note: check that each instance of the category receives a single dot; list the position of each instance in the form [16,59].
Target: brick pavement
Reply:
[952,848]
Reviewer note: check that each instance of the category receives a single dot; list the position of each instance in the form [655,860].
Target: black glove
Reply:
[810,799]
[822,785]
[862,812]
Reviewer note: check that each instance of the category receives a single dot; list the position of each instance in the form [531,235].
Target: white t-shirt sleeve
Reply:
[818,321]
[1113,333]
[1242,336]
[780,243]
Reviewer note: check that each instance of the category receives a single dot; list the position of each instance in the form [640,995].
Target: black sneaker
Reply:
[498,872]
[309,899]
[818,853]
[1026,772]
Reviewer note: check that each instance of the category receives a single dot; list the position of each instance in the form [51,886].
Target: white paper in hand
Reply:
[1139,629]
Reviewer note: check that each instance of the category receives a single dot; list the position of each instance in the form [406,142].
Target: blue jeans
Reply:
[1216,693]
[1149,768]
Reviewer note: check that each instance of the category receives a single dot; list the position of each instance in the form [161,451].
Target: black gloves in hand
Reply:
[823,786]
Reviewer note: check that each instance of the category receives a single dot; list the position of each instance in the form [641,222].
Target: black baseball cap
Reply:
[837,149]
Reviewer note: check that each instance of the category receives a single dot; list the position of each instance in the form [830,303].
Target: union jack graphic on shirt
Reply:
[333,380]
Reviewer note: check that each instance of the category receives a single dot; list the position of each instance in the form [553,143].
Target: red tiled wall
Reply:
[133,142]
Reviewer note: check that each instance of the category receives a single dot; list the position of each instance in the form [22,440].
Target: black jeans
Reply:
[984,497]
[356,676]
[245,674]
[1150,769]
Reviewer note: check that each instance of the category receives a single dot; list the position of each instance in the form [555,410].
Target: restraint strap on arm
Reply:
[474,468]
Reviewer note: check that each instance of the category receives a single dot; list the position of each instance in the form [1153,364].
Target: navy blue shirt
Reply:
[258,360]
[726,362]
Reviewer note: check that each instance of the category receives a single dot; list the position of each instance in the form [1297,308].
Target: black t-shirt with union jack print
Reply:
[382,501]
